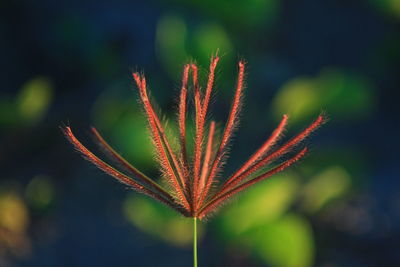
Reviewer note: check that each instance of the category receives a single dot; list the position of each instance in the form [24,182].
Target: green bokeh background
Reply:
[69,63]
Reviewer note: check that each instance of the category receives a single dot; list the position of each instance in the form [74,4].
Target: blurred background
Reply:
[69,63]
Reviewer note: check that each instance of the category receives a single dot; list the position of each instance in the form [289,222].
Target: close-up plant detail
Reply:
[192,183]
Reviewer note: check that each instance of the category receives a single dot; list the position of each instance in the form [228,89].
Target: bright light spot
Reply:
[40,192]
[391,7]
[288,242]
[159,221]
[263,203]
[342,94]
[210,38]
[171,43]
[124,127]
[13,213]
[297,98]
[34,99]
[326,186]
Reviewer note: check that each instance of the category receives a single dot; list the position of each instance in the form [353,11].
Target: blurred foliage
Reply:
[260,221]
[160,221]
[286,242]
[245,15]
[125,124]
[17,212]
[342,94]
[351,161]
[29,106]
[176,46]
[39,193]
[14,223]
[391,7]
[34,99]
[325,186]
[265,202]
[210,37]
[13,212]
[171,43]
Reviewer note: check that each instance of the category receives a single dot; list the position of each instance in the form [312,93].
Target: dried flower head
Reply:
[194,188]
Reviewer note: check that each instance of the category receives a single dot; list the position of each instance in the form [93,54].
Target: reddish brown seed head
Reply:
[190,180]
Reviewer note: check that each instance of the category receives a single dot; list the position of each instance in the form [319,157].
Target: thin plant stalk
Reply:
[194,241]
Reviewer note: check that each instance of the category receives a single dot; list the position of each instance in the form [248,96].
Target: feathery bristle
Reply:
[219,198]
[182,123]
[126,165]
[206,163]
[198,143]
[229,127]
[190,183]
[261,151]
[164,150]
[277,153]
[167,199]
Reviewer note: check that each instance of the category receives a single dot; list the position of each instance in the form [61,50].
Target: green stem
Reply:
[195,242]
